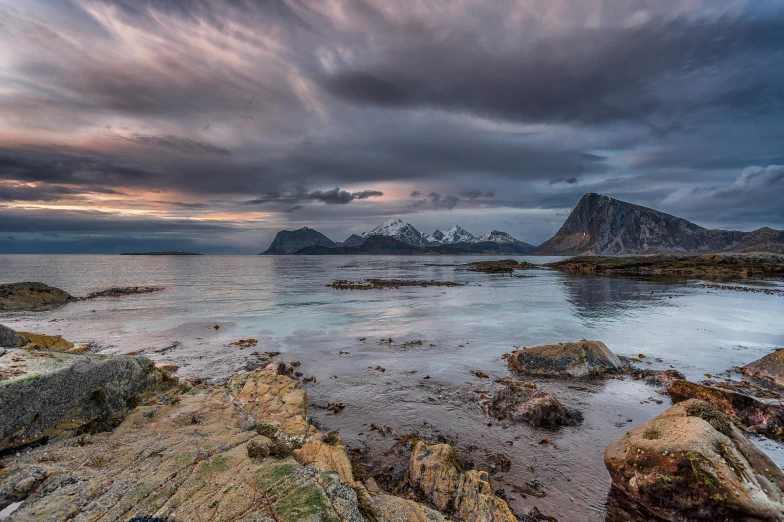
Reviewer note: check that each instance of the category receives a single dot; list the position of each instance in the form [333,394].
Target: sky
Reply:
[130,125]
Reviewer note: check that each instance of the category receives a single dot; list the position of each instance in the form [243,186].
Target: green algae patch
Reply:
[271,475]
[307,503]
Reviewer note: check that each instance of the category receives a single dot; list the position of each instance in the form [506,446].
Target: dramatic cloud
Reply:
[756,192]
[334,196]
[242,115]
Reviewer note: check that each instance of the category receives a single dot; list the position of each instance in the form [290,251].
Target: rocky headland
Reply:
[18,297]
[708,266]
[601,225]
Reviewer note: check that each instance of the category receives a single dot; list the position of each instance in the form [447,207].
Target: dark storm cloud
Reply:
[586,76]
[334,196]
[341,197]
[570,181]
[194,107]
[476,194]
[178,144]
[448,202]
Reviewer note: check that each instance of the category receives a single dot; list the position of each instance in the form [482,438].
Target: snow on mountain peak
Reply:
[435,237]
[457,234]
[496,236]
[397,229]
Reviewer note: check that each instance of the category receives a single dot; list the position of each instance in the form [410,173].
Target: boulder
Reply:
[769,368]
[539,409]
[692,463]
[435,472]
[45,395]
[30,296]
[661,378]
[196,454]
[763,416]
[9,338]
[49,343]
[580,359]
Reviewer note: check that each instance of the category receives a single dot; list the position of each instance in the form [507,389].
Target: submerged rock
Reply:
[759,415]
[769,368]
[537,408]
[31,296]
[46,395]
[436,473]
[692,463]
[9,338]
[580,359]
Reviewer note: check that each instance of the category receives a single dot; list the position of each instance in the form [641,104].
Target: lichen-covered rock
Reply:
[190,454]
[9,338]
[50,343]
[275,398]
[580,359]
[510,400]
[44,394]
[692,463]
[770,368]
[762,416]
[31,296]
[436,473]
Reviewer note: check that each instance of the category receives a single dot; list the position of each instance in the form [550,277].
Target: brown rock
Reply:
[763,416]
[49,343]
[436,473]
[662,378]
[580,359]
[512,401]
[691,463]
[770,368]
[31,296]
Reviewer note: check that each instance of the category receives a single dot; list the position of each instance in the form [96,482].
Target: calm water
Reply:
[285,304]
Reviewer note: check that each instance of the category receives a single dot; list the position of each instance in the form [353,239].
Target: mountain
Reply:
[602,225]
[496,236]
[435,237]
[289,241]
[395,228]
[388,246]
[374,245]
[352,240]
[457,234]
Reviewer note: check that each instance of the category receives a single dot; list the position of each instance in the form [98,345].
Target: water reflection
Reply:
[598,298]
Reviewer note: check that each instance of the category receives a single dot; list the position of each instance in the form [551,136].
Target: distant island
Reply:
[598,225]
[165,253]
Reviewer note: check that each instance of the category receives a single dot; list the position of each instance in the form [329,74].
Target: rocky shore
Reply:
[87,436]
[90,437]
[718,266]
[17,297]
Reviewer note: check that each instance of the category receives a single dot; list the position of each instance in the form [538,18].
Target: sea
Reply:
[405,361]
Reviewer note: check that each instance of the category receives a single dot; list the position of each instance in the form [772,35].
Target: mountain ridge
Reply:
[601,225]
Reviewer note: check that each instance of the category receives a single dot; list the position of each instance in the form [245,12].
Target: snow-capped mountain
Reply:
[405,232]
[435,237]
[496,236]
[397,229]
[457,234]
